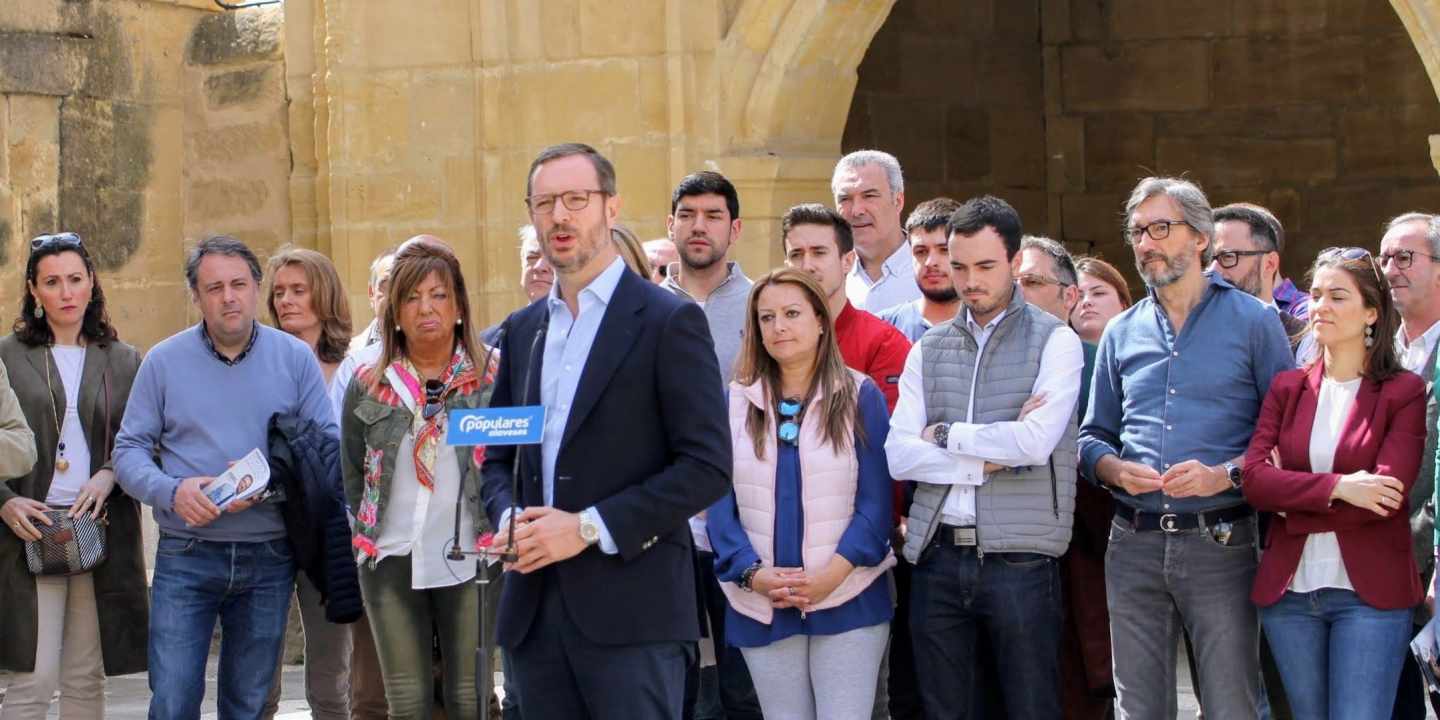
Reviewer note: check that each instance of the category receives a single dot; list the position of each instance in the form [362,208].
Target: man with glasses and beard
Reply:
[1248,242]
[930,253]
[704,222]
[1179,379]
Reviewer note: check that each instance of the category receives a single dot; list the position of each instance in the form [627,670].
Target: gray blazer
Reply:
[17,443]
[1422,495]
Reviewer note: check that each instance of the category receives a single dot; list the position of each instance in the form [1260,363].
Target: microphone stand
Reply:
[508,554]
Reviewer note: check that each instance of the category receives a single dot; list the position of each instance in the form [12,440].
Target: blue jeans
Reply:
[1013,601]
[1338,656]
[247,587]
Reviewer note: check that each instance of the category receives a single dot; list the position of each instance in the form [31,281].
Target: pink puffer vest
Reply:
[828,483]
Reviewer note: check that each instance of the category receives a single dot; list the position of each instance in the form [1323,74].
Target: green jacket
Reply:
[372,424]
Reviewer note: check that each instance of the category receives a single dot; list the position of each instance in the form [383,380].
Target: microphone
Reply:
[456,553]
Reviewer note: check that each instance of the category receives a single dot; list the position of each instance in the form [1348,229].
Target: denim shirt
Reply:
[1159,400]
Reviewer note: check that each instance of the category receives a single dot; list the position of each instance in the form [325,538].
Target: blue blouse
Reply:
[864,543]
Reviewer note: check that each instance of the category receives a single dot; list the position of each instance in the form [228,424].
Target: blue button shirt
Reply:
[1159,400]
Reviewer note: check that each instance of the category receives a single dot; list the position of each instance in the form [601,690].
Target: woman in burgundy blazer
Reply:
[1356,399]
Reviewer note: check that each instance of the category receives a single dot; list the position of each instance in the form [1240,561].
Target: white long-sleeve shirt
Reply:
[971,445]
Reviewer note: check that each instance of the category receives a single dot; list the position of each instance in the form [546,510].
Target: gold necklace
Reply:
[61,463]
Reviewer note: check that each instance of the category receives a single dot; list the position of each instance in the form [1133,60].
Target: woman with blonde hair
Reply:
[802,541]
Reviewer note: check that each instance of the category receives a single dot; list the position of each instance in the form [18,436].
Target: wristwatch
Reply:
[942,435]
[747,576]
[589,529]
[1233,472]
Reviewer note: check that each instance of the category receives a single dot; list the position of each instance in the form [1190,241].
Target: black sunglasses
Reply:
[60,240]
[434,399]
[790,429]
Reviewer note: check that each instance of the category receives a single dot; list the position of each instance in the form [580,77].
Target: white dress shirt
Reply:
[896,284]
[1321,565]
[1414,354]
[1012,444]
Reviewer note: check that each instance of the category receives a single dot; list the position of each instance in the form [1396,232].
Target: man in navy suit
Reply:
[599,610]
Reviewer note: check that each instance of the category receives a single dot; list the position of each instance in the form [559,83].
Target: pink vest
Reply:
[827,490]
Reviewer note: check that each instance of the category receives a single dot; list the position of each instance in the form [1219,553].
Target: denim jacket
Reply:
[372,425]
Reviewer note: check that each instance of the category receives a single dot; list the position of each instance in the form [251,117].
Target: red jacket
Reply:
[1384,434]
[876,348]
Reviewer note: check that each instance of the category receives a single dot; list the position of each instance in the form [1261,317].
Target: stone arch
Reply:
[1422,21]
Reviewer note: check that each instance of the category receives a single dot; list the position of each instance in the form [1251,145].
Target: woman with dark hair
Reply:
[72,376]
[1103,295]
[305,299]
[403,483]
[1335,451]
[802,543]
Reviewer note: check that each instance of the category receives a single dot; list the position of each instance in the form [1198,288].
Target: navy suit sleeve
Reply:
[866,540]
[496,473]
[697,435]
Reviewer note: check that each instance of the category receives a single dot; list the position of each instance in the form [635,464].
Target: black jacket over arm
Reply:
[647,443]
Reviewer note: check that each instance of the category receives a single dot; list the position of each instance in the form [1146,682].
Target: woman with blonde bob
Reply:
[801,543]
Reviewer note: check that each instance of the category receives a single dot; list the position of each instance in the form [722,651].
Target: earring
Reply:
[457,321]
[39,311]
[1369,336]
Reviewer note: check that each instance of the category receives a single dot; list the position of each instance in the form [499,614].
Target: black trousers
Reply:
[561,675]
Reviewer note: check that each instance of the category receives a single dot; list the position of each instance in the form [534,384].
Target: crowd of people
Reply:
[936,468]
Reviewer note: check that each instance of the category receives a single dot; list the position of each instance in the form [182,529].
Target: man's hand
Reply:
[191,504]
[547,537]
[21,515]
[1132,477]
[246,504]
[1193,478]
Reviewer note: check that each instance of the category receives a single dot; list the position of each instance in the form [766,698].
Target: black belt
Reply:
[957,535]
[1176,522]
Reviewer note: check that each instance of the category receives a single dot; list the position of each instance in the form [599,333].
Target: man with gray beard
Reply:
[1179,379]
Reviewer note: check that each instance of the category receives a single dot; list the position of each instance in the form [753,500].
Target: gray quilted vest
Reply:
[1018,510]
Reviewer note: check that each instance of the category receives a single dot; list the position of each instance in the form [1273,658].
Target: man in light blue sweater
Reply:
[202,400]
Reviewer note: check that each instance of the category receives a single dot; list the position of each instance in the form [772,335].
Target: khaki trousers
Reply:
[67,656]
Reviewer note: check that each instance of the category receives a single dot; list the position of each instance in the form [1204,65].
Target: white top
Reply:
[971,445]
[65,486]
[1320,563]
[1413,355]
[896,285]
[425,531]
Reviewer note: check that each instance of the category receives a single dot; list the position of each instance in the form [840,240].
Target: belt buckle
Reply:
[1169,522]
[965,537]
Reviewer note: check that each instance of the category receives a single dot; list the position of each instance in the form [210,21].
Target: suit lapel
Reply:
[1297,443]
[612,342]
[39,358]
[91,381]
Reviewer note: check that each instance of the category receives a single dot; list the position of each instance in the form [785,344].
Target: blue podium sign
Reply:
[496,426]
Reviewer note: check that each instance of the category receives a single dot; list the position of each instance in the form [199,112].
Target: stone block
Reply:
[643,171]
[1065,154]
[1156,19]
[621,28]
[460,194]
[1087,20]
[1012,77]
[1221,162]
[237,87]
[576,100]
[1017,22]
[1172,76]
[110,220]
[1389,142]
[560,28]
[1280,17]
[216,200]
[1290,121]
[654,108]
[392,34]
[929,67]
[374,110]
[1093,217]
[41,64]
[393,197]
[1361,16]
[105,144]
[1017,150]
[1268,72]
[239,37]
[909,129]
[32,143]
[442,109]
[1119,149]
[146,313]
[32,17]
[219,149]
[1055,22]
[967,144]
[1394,72]
[1033,206]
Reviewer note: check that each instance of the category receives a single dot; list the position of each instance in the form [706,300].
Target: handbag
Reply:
[71,546]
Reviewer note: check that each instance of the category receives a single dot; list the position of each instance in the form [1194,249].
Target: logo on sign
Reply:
[496,426]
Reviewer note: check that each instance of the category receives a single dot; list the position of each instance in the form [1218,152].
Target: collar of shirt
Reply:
[600,290]
[673,285]
[897,265]
[1414,354]
[981,333]
[210,344]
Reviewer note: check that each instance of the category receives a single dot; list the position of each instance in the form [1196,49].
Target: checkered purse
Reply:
[67,546]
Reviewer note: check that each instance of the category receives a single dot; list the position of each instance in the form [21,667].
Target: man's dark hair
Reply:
[817,214]
[932,214]
[1264,226]
[706,182]
[604,170]
[1064,264]
[988,211]
[219,245]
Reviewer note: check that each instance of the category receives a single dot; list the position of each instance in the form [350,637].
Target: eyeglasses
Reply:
[1231,258]
[60,240]
[574,201]
[434,399]
[1349,253]
[1035,281]
[1158,230]
[790,429]
[1402,258]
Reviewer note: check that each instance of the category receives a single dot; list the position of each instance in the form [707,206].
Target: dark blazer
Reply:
[121,595]
[647,443]
[1384,434]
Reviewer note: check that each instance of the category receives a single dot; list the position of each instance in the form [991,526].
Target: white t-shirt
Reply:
[64,486]
[1321,565]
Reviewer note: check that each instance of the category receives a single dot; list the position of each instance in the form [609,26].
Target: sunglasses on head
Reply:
[60,240]
[1350,253]
[790,429]
[434,399]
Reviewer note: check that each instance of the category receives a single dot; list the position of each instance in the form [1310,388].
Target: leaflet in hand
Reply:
[245,479]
